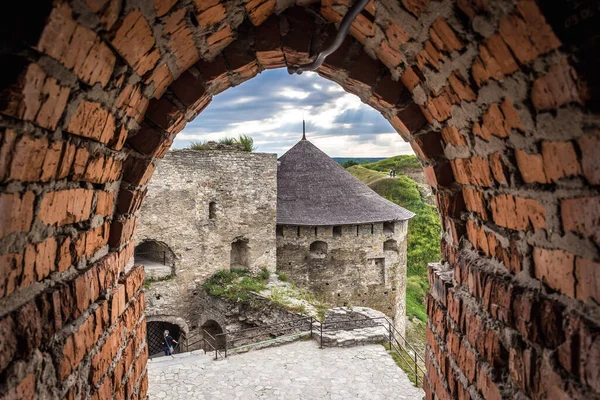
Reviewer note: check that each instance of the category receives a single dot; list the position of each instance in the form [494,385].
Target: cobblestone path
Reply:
[299,370]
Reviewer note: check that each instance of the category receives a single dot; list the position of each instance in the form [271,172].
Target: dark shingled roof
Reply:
[313,189]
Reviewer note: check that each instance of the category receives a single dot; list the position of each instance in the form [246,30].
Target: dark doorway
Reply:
[155,333]
[239,254]
[211,330]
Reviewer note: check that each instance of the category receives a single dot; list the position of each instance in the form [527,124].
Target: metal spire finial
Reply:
[303,130]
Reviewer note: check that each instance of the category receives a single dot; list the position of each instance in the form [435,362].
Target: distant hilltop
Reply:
[359,160]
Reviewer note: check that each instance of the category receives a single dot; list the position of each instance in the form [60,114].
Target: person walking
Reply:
[167,343]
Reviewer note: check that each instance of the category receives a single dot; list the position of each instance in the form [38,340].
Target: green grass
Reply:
[424,228]
[400,163]
[408,368]
[282,276]
[367,176]
[264,274]
[236,285]
[246,141]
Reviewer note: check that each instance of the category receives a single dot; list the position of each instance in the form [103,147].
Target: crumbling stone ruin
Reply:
[204,211]
[499,100]
[215,210]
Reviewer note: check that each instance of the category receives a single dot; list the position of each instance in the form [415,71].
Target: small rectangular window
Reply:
[212,210]
[337,231]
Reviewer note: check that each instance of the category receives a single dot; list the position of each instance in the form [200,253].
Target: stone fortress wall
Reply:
[354,265]
[199,205]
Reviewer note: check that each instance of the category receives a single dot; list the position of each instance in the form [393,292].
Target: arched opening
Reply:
[211,330]
[212,210]
[318,249]
[155,334]
[491,138]
[239,254]
[390,245]
[156,257]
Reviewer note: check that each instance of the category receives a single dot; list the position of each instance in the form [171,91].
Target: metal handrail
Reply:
[323,326]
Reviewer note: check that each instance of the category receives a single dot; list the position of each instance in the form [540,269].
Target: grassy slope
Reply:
[368,176]
[423,230]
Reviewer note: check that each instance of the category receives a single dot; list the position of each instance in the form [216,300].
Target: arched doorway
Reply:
[239,254]
[156,257]
[211,331]
[155,333]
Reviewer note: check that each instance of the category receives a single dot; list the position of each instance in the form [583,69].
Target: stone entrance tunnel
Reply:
[497,98]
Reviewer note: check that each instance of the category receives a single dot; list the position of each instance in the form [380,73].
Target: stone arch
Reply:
[157,258]
[498,140]
[239,254]
[155,327]
[214,337]
[318,249]
[390,245]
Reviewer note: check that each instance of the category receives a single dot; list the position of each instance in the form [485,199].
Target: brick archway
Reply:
[491,103]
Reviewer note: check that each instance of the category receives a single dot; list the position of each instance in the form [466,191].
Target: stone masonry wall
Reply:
[497,98]
[243,186]
[356,270]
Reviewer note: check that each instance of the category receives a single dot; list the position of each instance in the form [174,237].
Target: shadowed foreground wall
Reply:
[498,108]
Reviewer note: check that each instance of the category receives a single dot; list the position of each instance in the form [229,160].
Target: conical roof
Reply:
[313,189]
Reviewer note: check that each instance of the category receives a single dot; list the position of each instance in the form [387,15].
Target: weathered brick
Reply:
[267,43]
[474,170]
[590,162]
[531,167]
[16,212]
[259,10]
[137,171]
[132,100]
[105,203]
[166,115]
[558,87]
[121,231]
[135,42]
[587,273]
[210,12]
[220,39]
[560,160]
[527,33]
[556,269]
[133,281]
[161,78]
[91,120]
[444,37]
[65,206]
[474,201]
[78,48]
[37,98]
[8,346]
[517,213]
[582,215]
[452,136]
[181,41]
[497,167]
[416,7]
[163,6]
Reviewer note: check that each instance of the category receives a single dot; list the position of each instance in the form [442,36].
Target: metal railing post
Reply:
[321,341]
[416,372]
[311,324]
[225,344]
[390,334]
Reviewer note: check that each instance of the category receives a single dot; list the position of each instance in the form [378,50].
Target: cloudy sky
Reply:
[270,108]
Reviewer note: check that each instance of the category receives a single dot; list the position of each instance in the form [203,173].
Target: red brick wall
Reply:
[95,92]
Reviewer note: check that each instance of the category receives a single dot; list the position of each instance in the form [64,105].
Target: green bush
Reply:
[264,274]
[282,276]
[234,285]
[400,163]
[247,142]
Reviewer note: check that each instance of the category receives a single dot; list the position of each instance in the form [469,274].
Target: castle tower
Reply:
[337,237]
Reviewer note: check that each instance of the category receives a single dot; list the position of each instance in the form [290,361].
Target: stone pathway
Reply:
[299,370]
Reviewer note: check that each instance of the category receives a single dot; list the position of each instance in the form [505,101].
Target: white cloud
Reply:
[293,93]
